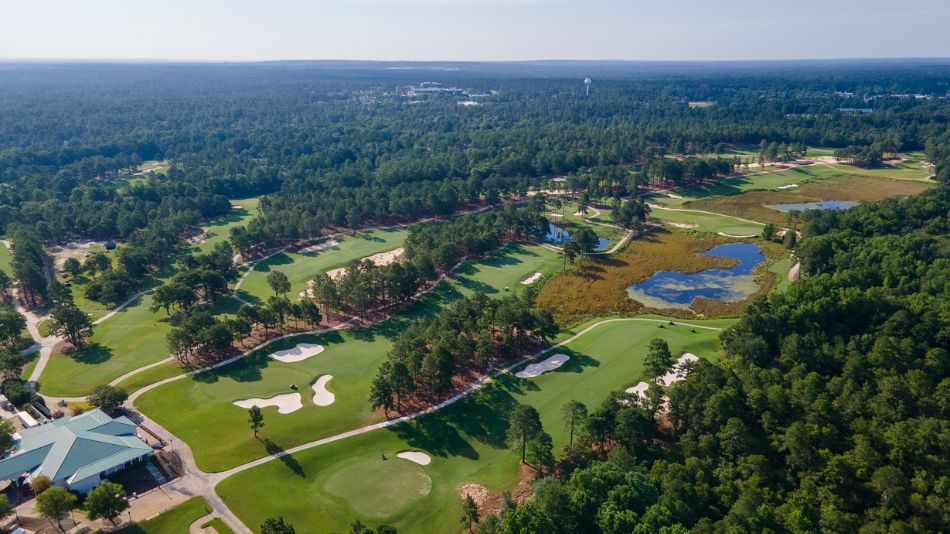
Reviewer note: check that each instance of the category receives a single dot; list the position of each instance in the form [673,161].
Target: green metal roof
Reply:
[73,448]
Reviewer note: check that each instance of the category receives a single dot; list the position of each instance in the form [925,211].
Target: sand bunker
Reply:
[420,458]
[678,372]
[788,186]
[286,403]
[531,279]
[379,260]
[538,369]
[321,396]
[795,272]
[682,225]
[319,246]
[673,195]
[298,354]
[738,236]
[640,390]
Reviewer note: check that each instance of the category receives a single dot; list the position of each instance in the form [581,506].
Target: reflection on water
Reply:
[671,289]
[558,235]
[821,205]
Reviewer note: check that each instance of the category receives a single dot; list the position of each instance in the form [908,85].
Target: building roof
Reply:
[73,448]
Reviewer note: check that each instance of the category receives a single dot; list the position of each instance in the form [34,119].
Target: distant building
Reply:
[75,452]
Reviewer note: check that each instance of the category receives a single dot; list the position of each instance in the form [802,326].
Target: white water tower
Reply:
[587,86]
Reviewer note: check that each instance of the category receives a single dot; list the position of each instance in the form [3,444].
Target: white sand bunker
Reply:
[538,369]
[678,372]
[738,236]
[286,403]
[322,396]
[420,458]
[380,259]
[788,186]
[682,225]
[531,279]
[298,354]
[640,390]
[319,246]
[673,195]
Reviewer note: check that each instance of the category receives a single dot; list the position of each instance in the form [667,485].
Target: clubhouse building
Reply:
[75,452]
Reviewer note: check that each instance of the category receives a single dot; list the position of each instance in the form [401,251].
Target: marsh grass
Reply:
[599,285]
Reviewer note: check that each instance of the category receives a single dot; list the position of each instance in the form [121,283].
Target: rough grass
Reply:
[175,520]
[599,285]
[465,440]
[753,205]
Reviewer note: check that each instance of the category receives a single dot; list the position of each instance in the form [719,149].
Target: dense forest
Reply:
[829,414]
[339,147]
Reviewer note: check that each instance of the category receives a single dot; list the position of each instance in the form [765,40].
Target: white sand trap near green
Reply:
[321,395]
[686,226]
[379,259]
[531,279]
[788,186]
[298,354]
[640,390]
[420,458]
[724,234]
[286,403]
[678,372]
[673,195]
[538,369]
[319,246]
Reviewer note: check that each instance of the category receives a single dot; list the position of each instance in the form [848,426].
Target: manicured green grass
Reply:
[351,357]
[220,228]
[174,521]
[379,488]
[45,328]
[5,260]
[465,440]
[302,267]
[767,180]
[132,338]
[150,376]
[707,222]
[571,222]
[905,170]
[218,525]
[780,269]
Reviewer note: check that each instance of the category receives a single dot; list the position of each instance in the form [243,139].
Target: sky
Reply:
[472,30]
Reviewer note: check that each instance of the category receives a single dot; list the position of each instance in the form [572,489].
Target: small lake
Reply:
[820,205]
[671,289]
[558,235]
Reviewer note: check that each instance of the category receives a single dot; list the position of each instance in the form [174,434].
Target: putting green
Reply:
[466,440]
[378,488]
[302,267]
[351,356]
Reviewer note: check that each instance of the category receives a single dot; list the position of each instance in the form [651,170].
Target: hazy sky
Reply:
[473,29]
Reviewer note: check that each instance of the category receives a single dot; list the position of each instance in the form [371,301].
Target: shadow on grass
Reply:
[286,459]
[483,417]
[278,259]
[93,354]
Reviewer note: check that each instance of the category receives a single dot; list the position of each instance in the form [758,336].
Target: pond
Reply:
[820,205]
[671,289]
[558,235]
